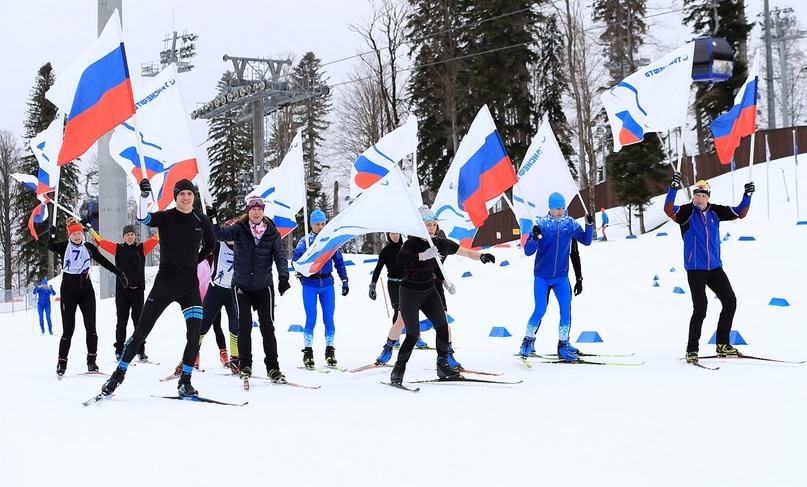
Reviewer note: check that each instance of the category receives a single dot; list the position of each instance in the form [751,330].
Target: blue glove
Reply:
[345,288]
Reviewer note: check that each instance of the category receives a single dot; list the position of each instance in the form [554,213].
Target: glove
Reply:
[590,220]
[145,188]
[373,295]
[749,189]
[283,286]
[450,287]
[124,281]
[212,214]
[86,224]
[578,287]
[53,232]
[676,180]
[345,288]
[430,253]
[536,232]
[485,258]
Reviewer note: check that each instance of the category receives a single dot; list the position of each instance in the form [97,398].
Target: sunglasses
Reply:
[429,218]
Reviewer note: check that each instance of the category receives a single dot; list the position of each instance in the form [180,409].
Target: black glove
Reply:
[283,286]
[298,276]
[213,215]
[590,220]
[53,232]
[86,224]
[749,188]
[373,295]
[676,180]
[536,232]
[578,287]
[345,288]
[124,281]
[145,188]
[485,258]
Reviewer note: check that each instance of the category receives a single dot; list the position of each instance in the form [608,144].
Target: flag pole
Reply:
[679,148]
[56,196]
[796,170]
[751,155]
[768,175]
[305,192]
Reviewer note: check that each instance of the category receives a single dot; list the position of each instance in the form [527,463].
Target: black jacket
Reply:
[252,263]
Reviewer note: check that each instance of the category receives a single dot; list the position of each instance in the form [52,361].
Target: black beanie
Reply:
[128,229]
[182,185]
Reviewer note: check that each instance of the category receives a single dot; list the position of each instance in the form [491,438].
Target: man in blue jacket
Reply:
[551,242]
[700,229]
[320,286]
[43,293]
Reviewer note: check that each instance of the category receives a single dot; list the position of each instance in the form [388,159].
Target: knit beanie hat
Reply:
[317,216]
[182,185]
[128,229]
[426,213]
[556,200]
[44,281]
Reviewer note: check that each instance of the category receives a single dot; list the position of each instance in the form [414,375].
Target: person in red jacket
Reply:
[130,257]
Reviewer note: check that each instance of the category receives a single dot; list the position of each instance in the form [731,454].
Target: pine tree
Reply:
[713,99]
[230,157]
[35,259]
[311,115]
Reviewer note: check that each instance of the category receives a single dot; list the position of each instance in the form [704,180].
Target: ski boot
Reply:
[142,356]
[564,353]
[724,350]
[184,387]
[245,373]
[445,371]
[61,367]
[113,382]
[570,348]
[330,356]
[308,357]
[234,365]
[91,365]
[450,358]
[692,357]
[223,357]
[276,376]
[526,344]
[386,353]
[396,377]
[421,344]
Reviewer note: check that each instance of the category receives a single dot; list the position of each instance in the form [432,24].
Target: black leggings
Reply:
[216,298]
[166,291]
[82,298]
[412,301]
[394,295]
[718,282]
[125,300]
[263,302]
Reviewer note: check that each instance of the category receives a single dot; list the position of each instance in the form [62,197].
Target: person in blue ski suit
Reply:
[700,229]
[43,293]
[320,286]
[551,242]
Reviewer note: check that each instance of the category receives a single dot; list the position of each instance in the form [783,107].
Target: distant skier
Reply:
[700,229]
[43,293]
[604,224]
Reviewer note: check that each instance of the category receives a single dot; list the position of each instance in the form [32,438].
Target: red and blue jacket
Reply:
[700,229]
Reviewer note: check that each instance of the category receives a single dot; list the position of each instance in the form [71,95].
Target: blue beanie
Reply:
[556,200]
[317,216]
[44,281]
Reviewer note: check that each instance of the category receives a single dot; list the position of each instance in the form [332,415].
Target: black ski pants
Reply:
[263,301]
[74,298]
[411,302]
[127,300]
[718,282]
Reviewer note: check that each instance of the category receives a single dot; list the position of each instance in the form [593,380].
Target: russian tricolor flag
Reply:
[374,163]
[487,173]
[95,92]
[741,120]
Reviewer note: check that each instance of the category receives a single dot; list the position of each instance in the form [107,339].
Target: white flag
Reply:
[379,159]
[653,99]
[46,146]
[284,188]
[165,138]
[544,171]
[386,207]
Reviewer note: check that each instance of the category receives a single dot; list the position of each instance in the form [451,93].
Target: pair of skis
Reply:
[740,357]
[449,380]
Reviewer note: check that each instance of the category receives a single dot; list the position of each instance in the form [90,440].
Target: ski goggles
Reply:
[255,203]
[429,218]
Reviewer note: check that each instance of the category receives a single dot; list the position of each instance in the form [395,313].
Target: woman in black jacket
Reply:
[256,245]
[77,291]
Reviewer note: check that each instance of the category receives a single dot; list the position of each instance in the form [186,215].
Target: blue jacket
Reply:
[44,294]
[323,278]
[700,229]
[252,263]
[552,250]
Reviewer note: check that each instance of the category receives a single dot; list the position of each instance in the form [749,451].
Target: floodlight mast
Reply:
[171,54]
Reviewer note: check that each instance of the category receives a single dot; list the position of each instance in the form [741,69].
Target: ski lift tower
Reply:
[259,88]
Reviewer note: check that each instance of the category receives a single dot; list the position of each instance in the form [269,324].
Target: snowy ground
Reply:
[662,423]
